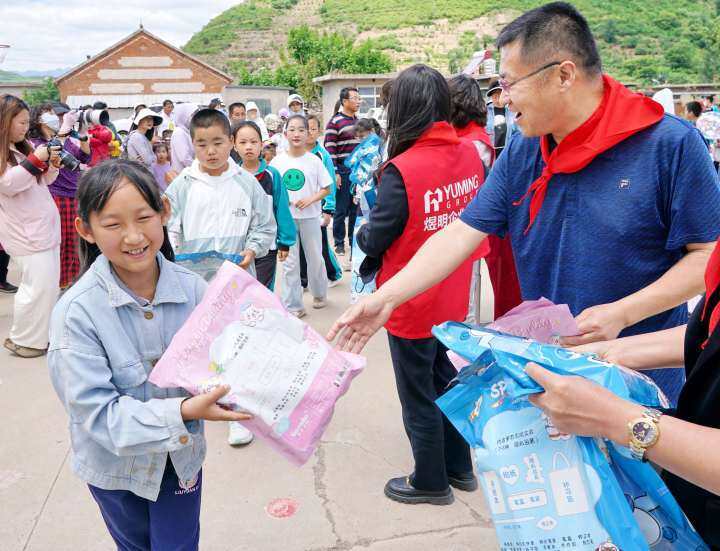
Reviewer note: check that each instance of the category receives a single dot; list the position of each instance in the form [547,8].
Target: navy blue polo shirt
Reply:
[611,229]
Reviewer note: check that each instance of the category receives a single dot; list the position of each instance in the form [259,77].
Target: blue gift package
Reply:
[546,490]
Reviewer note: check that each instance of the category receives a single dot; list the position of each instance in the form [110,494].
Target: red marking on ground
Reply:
[281,508]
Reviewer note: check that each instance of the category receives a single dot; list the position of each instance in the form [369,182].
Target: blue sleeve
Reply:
[82,377]
[286,231]
[488,211]
[328,205]
[693,198]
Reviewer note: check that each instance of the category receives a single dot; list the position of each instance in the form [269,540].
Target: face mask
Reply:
[51,120]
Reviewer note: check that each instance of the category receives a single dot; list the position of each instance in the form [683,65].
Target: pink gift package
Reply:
[279,368]
[540,320]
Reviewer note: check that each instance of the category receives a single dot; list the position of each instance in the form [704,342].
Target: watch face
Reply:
[644,432]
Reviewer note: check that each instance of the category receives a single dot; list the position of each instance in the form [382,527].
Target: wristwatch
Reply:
[644,433]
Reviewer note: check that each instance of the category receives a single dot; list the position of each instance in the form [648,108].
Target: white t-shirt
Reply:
[302,177]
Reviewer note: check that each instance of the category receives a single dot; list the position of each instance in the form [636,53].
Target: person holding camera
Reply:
[29,226]
[56,126]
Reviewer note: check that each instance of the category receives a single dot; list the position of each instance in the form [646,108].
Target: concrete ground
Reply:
[339,492]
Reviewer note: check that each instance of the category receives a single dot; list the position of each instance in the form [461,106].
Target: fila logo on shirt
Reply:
[624,183]
[456,194]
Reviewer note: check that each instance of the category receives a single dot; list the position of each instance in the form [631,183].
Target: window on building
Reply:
[370,96]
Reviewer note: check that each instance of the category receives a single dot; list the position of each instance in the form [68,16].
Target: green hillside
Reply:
[674,41]
[7,76]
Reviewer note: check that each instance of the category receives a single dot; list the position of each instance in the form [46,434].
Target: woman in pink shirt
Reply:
[29,227]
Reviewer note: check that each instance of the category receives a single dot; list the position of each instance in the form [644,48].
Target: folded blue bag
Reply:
[546,490]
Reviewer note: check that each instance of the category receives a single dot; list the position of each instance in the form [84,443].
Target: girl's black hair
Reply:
[370,125]
[242,124]
[466,102]
[419,98]
[95,188]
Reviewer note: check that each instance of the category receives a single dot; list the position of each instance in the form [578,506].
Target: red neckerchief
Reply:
[474,131]
[621,114]
[712,281]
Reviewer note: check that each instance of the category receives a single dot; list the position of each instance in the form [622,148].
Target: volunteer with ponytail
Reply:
[611,205]
[410,208]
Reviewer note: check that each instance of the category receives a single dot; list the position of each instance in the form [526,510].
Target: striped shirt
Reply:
[340,139]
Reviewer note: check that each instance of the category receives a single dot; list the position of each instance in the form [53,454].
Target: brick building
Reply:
[141,68]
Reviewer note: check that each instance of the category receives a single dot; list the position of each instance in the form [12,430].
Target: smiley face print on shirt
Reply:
[294,179]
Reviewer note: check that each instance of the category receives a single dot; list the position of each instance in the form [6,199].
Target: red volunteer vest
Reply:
[442,174]
[500,260]
[474,132]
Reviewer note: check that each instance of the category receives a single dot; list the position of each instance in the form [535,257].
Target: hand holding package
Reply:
[279,369]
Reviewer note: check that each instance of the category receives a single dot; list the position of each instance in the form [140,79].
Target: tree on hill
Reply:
[48,92]
[311,54]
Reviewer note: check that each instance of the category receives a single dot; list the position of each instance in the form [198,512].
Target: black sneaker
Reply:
[340,250]
[8,288]
[401,489]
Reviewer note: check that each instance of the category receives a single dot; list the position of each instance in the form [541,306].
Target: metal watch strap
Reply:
[638,452]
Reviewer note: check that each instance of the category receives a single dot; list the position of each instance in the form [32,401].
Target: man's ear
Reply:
[167,210]
[568,74]
[84,230]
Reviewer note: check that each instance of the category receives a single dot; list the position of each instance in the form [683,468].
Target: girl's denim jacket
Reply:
[103,345]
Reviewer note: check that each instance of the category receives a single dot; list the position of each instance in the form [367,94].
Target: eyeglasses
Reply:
[505,85]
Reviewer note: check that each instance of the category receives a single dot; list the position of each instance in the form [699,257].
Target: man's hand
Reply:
[248,258]
[598,323]
[282,255]
[204,406]
[338,181]
[360,322]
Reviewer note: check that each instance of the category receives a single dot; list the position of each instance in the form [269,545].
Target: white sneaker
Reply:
[319,303]
[238,435]
[334,283]
[298,313]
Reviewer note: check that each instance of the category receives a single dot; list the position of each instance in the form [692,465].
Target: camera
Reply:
[67,160]
[91,117]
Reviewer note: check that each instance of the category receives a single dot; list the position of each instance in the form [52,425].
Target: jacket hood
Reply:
[183,113]
[249,106]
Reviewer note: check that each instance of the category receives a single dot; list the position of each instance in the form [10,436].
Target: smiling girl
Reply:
[139,447]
